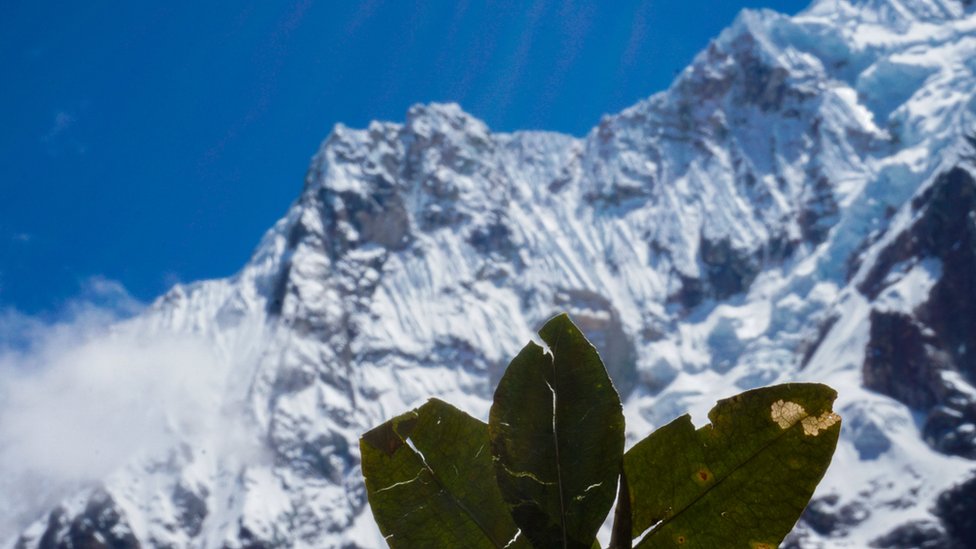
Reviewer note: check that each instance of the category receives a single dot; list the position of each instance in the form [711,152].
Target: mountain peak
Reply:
[441,116]
[895,13]
[765,219]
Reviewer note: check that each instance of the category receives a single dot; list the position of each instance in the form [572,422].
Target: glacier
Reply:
[800,204]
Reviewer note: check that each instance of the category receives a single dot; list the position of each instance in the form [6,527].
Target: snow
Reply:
[420,257]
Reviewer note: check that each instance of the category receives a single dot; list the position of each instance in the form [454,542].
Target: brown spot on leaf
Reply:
[703,476]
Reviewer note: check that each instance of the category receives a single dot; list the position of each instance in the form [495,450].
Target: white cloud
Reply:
[62,122]
[62,135]
[100,303]
[81,394]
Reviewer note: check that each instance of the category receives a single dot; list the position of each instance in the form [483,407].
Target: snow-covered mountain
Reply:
[800,204]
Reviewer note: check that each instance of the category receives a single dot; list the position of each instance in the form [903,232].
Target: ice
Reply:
[717,233]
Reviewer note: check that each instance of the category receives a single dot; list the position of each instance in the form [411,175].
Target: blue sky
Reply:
[153,143]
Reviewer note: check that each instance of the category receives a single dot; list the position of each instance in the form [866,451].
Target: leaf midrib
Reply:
[464,508]
[555,438]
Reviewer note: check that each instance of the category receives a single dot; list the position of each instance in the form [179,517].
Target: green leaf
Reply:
[557,436]
[430,482]
[741,481]
[621,533]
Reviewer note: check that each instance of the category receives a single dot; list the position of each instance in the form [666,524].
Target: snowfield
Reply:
[799,205]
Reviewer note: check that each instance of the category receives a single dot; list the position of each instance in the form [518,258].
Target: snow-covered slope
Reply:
[800,204]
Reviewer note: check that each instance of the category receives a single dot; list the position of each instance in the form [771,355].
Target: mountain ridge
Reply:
[741,228]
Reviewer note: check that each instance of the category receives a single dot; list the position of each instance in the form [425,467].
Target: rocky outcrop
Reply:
[926,358]
[903,361]
[728,271]
[102,525]
[955,528]
[700,239]
[957,511]
[923,534]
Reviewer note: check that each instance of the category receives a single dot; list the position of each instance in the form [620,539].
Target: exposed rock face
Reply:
[925,358]
[101,525]
[728,271]
[798,205]
[826,517]
[956,528]
[902,362]
[820,210]
[191,508]
[957,509]
[915,535]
